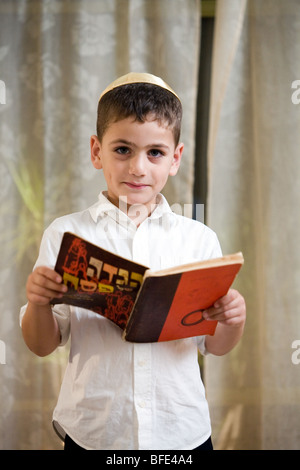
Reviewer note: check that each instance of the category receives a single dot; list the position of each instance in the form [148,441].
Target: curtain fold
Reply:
[254,188]
[55,59]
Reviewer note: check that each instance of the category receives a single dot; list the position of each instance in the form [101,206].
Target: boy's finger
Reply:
[49,274]
[226,299]
[44,282]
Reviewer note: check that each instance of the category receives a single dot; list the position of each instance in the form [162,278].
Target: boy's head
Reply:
[142,96]
[137,146]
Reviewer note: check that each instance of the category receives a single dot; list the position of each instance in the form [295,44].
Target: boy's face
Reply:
[136,159]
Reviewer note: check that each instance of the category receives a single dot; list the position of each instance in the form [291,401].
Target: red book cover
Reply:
[196,291]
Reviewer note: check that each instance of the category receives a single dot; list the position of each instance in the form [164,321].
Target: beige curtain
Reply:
[55,59]
[254,193]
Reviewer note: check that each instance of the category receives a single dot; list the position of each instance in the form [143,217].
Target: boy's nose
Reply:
[137,165]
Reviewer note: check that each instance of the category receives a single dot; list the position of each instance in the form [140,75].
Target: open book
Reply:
[149,306]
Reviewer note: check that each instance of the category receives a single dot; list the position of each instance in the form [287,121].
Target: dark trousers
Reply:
[71,445]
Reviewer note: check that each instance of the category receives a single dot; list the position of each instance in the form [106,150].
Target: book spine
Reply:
[147,319]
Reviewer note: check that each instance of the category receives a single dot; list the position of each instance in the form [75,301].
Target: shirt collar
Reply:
[104,206]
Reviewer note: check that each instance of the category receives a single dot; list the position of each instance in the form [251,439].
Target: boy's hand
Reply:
[44,284]
[229,310]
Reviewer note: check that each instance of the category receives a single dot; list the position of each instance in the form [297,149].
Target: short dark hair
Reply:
[139,100]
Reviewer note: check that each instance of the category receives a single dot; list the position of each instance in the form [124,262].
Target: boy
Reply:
[116,394]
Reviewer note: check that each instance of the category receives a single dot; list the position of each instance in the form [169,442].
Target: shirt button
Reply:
[142,404]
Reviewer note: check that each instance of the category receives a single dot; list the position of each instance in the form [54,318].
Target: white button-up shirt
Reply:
[121,395]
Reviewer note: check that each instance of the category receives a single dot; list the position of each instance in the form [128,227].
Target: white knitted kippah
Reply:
[134,77]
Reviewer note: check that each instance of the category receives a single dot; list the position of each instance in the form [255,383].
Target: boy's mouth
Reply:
[134,185]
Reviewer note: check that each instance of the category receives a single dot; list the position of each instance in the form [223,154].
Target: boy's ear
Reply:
[95,152]
[176,159]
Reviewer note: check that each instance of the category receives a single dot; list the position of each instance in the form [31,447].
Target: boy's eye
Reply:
[155,153]
[122,150]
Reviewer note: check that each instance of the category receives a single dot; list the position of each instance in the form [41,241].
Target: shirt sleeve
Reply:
[49,248]
[62,315]
[200,342]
